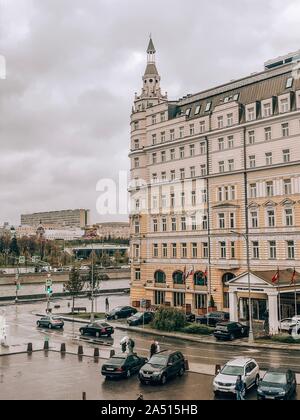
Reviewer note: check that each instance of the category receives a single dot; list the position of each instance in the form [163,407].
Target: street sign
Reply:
[22,260]
[49,282]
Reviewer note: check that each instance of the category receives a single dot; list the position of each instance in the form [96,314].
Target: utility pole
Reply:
[92,291]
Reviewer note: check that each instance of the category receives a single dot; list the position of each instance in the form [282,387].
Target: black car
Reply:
[231,331]
[162,366]
[277,384]
[123,366]
[121,312]
[97,329]
[140,318]
[213,318]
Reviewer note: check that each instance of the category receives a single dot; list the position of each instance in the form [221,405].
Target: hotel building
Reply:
[215,174]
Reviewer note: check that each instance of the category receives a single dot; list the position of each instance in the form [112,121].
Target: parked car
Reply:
[213,318]
[295,330]
[162,366]
[225,381]
[121,312]
[230,331]
[140,318]
[50,322]
[288,323]
[277,384]
[97,329]
[123,366]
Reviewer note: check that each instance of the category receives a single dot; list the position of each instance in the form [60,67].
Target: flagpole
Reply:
[279,296]
[296,306]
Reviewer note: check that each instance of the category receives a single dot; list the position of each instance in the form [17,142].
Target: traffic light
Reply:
[49,290]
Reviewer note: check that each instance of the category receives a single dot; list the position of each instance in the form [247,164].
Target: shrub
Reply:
[287,339]
[197,329]
[169,319]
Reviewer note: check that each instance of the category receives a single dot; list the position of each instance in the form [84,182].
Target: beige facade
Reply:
[204,170]
[64,218]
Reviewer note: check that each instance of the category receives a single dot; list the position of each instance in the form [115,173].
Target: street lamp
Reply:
[246,237]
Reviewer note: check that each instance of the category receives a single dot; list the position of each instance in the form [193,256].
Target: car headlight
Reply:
[282,393]
[156,374]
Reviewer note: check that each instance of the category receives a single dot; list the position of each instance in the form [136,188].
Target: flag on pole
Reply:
[293,280]
[206,275]
[276,277]
[190,272]
[184,273]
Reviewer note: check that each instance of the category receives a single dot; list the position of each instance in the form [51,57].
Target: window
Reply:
[136,251]
[136,227]
[193,198]
[254,219]
[287,186]
[226,193]
[251,137]
[253,190]
[289,217]
[291,250]
[222,221]
[203,170]
[289,83]
[202,127]
[181,153]
[284,105]
[162,117]
[222,166]
[232,250]
[136,144]
[193,171]
[163,156]
[285,130]
[174,224]
[205,222]
[155,250]
[188,112]
[182,199]
[197,110]
[268,133]
[192,129]
[193,223]
[172,135]
[269,189]
[252,161]
[236,97]
[155,225]
[165,250]
[269,158]
[208,107]
[160,277]
[267,110]
[154,139]
[205,250]
[272,250]
[182,174]
[136,163]
[159,297]
[178,300]
[251,114]
[255,250]
[195,250]
[137,205]
[286,155]
[164,224]
[173,175]
[230,142]
[229,120]
[183,223]
[203,148]
[136,125]
[154,202]
[174,250]
[192,150]
[172,154]
[137,274]
[220,122]
[221,144]
[220,194]
[223,250]
[200,301]
[163,136]
[172,199]
[153,119]
[154,158]
[204,195]
[181,132]
[271,218]
[232,220]
[232,192]
[163,176]
[231,165]
[183,250]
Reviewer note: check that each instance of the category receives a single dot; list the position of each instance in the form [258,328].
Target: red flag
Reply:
[275,278]
[293,281]
[206,274]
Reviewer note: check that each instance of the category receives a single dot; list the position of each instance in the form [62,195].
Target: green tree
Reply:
[169,319]
[14,247]
[75,284]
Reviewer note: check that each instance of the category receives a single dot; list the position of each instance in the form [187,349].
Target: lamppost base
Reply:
[251,337]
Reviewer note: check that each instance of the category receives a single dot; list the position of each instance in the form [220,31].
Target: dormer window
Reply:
[188,112]
[236,97]
[251,114]
[197,111]
[289,83]
[208,107]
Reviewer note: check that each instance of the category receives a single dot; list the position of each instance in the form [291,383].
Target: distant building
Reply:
[63,234]
[110,229]
[60,219]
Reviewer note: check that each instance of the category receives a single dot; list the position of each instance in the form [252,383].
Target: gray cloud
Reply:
[73,67]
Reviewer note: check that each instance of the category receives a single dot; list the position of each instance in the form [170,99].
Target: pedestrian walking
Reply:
[131,345]
[123,344]
[106,305]
[157,347]
[240,389]
[153,349]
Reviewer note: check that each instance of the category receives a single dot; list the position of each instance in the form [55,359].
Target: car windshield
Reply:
[275,378]
[233,370]
[158,360]
[116,361]
[115,310]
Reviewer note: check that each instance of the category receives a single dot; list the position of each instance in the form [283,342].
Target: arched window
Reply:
[178,277]
[200,279]
[227,277]
[159,277]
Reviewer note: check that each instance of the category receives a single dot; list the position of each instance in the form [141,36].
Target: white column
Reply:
[273,313]
[233,307]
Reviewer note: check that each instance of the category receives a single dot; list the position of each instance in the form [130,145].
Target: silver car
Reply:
[226,380]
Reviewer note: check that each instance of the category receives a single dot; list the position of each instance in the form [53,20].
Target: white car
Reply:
[226,380]
[287,323]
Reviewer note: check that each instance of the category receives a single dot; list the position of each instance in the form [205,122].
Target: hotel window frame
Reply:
[197,110]
[182,152]
[286,154]
[222,221]
[252,161]
[204,222]
[232,192]
[164,250]
[287,186]
[153,119]
[155,251]
[270,188]
[204,195]
[182,174]
[203,169]
[269,158]
[193,223]
[271,218]
[251,137]
[137,274]
[267,110]
[208,106]
[231,165]
[289,83]
[220,122]
[193,172]
[289,217]
[230,142]
[174,224]
[230,120]
[163,156]
[221,144]
[254,219]
[172,154]
[232,250]
[285,130]
[291,250]
[223,250]
[202,127]
[253,190]
[222,167]
[181,132]
[173,175]
[203,148]
[174,250]
[162,117]
[183,224]
[255,250]
[136,144]
[183,250]
[268,133]
[155,225]
[193,199]
[154,139]
[205,253]
[172,135]
[232,220]
[154,158]
[192,150]
[194,252]
[192,129]
[164,224]
[272,250]
[251,114]
[284,105]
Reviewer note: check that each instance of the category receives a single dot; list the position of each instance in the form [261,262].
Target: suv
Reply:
[213,318]
[225,381]
[162,366]
[277,384]
[230,331]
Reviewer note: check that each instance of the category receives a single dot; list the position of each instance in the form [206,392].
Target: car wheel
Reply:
[163,379]
[97,334]
[181,372]
[116,317]
[232,337]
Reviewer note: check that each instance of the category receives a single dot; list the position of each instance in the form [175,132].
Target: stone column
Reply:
[273,313]
[233,307]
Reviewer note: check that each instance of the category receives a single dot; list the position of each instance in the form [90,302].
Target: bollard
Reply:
[46,345]
[112,353]
[29,348]
[80,351]
[218,369]
[96,353]
[84,396]
[63,348]
[186,365]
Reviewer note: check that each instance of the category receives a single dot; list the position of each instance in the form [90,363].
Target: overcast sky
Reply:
[73,67]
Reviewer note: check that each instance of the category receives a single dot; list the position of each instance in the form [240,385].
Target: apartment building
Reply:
[213,174]
[78,218]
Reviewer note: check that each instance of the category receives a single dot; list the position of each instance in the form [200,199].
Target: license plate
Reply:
[270,398]
[147,376]
[110,369]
